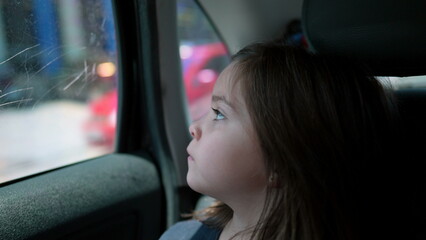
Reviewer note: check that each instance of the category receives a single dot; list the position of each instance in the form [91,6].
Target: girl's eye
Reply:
[219,115]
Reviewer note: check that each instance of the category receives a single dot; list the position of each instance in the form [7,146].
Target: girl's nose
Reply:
[195,131]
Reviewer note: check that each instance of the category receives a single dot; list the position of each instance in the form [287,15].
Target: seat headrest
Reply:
[388,35]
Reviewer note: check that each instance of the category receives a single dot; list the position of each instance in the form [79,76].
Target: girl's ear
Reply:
[273,180]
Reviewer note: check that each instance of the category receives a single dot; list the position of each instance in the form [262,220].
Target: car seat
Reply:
[390,37]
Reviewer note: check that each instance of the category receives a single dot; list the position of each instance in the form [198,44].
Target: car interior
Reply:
[383,35]
[140,189]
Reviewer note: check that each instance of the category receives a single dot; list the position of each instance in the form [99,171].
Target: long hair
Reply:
[324,126]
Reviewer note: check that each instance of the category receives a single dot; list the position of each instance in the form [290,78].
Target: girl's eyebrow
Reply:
[223,99]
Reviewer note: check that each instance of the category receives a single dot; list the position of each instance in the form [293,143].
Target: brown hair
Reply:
[324,126]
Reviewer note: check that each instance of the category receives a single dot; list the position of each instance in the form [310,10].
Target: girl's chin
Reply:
[194,184]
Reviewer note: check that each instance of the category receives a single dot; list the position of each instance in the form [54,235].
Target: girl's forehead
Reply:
[228,81]
[228,86]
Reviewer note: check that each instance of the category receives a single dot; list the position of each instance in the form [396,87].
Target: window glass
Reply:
[57,83]
[203,56]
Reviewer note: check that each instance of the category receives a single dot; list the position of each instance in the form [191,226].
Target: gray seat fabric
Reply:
[204,202]
[389,35]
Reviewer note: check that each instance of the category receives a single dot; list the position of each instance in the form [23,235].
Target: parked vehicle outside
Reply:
[201,65]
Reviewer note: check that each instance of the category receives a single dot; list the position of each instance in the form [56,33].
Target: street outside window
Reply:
[58,72]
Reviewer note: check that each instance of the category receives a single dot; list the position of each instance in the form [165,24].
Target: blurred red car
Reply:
[201,65]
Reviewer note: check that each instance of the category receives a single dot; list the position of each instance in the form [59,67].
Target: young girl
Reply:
[291,148]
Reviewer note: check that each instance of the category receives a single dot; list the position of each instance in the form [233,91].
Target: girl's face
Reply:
[225,159]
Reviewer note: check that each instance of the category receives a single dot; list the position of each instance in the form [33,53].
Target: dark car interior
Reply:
[386,35]
[139,191]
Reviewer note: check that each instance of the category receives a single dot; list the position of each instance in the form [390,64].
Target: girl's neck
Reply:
[243,221]
[237,228]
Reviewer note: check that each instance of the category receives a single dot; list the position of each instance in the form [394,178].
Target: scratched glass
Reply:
[58,81]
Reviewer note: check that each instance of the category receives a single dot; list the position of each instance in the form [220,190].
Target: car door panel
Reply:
[112,197]
[125,195]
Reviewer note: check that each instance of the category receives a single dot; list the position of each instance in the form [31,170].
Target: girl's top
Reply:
[191,230]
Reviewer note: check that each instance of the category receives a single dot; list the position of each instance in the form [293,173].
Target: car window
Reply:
[58,68]
[203,56]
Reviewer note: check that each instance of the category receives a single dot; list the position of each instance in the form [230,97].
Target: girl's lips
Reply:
[190,158]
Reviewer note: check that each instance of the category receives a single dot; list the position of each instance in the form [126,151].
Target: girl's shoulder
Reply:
[190,230]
